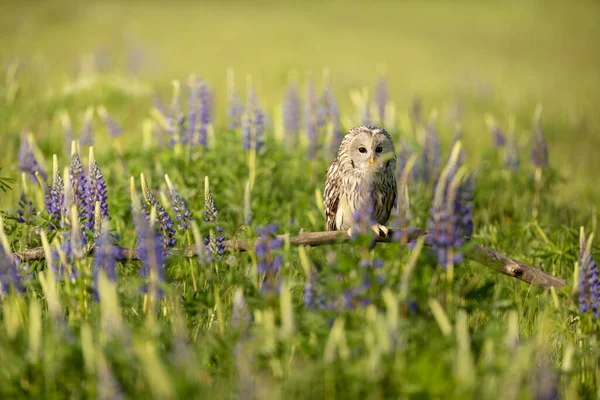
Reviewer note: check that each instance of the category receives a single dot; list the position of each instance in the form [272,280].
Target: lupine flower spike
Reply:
[268,262]
[65,120]
[445,224]
[430,160]
[511,153]
[114,129]
[26,158]
[183,216]
[54,195]
[150,251]
[165,222]
[589,282]
[214,241]
[381,95]
[539,147]
[330,109]
[311,119]
[78,181]
[176,118]
[95,192]
[105,258]
[86,137]
[235,108]
[498,137]
[291,114]
[9,274]
[253,121]
[26,210]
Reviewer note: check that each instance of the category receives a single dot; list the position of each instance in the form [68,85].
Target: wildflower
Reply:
[253,123]
[291,111]
[215,239]
[78,181]
[165,222]
[498,137]
[403,157]
[183,216]
[381,97]
[86,137]
[430,159]
[95,192]
[589,283]
[511,153]
[105,258]
[451,212]
[539,147]
[26,210]
[200,112]
[193,118]
[268,262]
[26,158]
[331,110]
[9,274]
[54,195]
[311,118]
[176,118]
[150,252]
[235,108]
[114,129]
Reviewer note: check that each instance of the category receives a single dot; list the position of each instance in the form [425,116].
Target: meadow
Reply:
[145,143]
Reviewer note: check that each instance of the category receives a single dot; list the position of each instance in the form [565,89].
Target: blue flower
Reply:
[381,98]
[166,225]
[78,183]
[150,252]
[26,211]
[27,161]
[253,123]
[9,274]
[95,192]
[291,111]
[312,119]
[589,283]
[268,263]
[539,147]
[183,216]
[215,239]
[105,258]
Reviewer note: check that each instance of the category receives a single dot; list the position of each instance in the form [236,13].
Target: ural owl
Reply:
[361,179]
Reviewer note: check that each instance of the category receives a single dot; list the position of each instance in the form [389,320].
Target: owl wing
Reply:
[331,196]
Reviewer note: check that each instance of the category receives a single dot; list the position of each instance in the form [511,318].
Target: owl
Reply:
[361,179]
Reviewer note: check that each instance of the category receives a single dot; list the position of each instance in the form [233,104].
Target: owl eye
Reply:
[362,149]
[379,149]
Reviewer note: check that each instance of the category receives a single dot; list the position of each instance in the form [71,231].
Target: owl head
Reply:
[370,148]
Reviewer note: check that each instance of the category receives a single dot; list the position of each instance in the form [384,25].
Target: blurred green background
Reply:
[492,56]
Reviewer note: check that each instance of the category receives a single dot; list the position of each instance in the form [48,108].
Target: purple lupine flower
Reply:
[166,225]
[416,109]
[95,192]
[9,274]
[150,252]
[183,216]
[539,147]
[214,241]
[404,154]
[26,210]
[54,198]
[311,118]
[498,137]
[193,122]
[86,138]
[78,183]
[291,112]
[447,224]
[381,98]
[268,263]
[589,283]
[464,205]
[235,108]
[206,112]
[332,115]
[65,120]
[114,129]
[105,258]
[430,159]
[175,118]
[511,153]
[253,123]
[26,159]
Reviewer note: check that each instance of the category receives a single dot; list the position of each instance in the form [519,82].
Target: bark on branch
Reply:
[478,253]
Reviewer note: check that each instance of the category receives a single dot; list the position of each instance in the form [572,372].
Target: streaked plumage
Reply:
[361,178]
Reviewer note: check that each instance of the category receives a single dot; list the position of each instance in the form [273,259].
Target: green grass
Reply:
[481,335]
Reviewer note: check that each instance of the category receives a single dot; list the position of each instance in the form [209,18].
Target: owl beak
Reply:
[371,161]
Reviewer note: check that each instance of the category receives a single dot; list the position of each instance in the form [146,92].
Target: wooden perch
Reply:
[480,254]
